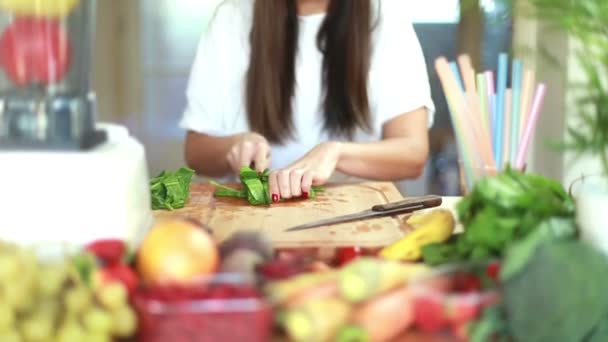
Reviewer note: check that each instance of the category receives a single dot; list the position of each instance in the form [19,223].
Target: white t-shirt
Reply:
[398,80]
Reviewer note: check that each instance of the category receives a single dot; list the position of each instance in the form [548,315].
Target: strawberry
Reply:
[279,269]
[428,313]
[348,254]
[108,251]
[493,270]
[466,283]
[118,272]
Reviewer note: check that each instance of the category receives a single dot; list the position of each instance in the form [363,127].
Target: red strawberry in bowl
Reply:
[108,251]
[348,254]
[493,270]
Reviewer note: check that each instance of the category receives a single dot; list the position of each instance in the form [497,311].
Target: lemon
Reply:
[39,8]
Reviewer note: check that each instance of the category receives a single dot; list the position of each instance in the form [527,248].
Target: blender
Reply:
[65,177]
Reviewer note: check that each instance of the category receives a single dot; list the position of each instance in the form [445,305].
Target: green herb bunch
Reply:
[498,212]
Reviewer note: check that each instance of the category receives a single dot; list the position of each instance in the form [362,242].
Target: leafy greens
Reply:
[171,190]
[499,211]
[255,187]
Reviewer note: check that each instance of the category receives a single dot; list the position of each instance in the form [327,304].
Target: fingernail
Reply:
[275,198]
[305,194]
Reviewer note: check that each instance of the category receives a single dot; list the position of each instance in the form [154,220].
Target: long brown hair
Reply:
[345,41]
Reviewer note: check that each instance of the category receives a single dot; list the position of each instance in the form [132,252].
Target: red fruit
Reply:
[466,283]
[493,270]
[35,50]
[348,254]
[279,269]
[428,313]
[108,251]
[121,273]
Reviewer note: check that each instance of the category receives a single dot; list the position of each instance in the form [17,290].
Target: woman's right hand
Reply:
[250,148]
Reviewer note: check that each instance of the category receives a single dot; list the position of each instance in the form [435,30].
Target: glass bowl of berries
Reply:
[223,307]
[450,299]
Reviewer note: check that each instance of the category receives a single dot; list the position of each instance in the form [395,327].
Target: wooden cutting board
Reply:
[227,215]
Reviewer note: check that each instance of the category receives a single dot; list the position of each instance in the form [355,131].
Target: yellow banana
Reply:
[433,226]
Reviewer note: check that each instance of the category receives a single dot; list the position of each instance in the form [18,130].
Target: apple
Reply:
[35,50]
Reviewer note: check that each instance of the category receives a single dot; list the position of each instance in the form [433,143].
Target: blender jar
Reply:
[45,57]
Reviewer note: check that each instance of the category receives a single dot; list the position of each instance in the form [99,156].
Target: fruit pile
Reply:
[42,301]
[453,299]
[365,300]
[196,289]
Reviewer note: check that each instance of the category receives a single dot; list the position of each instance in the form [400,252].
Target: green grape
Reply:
[97,321]
[9,267]
[70,331]
[124,321]
[10,336]
[48,307]
[97,337]
[37,328]
[112,295]
[16,295]
[7,317]
[77,299]
[51,280]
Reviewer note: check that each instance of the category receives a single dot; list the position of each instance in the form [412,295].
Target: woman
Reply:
[308,88]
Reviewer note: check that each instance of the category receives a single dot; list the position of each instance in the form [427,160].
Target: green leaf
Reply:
[255,187]
[85,264]
[171,190]
[518,255]
[491,324]
[600,332]
[560,295]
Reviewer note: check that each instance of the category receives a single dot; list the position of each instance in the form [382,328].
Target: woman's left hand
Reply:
[314,168]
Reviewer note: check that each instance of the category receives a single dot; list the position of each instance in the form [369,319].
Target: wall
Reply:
[559,109]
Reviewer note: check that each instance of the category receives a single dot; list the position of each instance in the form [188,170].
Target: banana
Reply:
[433,226]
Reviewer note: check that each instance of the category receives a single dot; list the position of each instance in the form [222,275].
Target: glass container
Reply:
[46,100]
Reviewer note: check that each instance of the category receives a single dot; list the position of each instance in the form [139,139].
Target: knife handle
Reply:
[429,201]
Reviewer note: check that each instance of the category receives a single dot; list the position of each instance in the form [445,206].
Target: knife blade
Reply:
[380,210]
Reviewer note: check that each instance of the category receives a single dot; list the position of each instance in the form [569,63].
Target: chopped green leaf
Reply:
[255,187]
[171,190]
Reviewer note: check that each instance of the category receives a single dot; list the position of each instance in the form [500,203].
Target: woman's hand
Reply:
[249,148]
[315,168]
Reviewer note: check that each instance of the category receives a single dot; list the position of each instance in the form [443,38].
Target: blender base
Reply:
[74,197]
[88,141]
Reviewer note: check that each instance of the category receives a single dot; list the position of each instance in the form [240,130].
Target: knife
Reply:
[381,210]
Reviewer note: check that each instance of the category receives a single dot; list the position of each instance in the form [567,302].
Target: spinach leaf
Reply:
[171,190]
[255,187]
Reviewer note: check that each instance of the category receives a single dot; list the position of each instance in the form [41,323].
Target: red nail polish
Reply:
[275,198]
[305,194]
